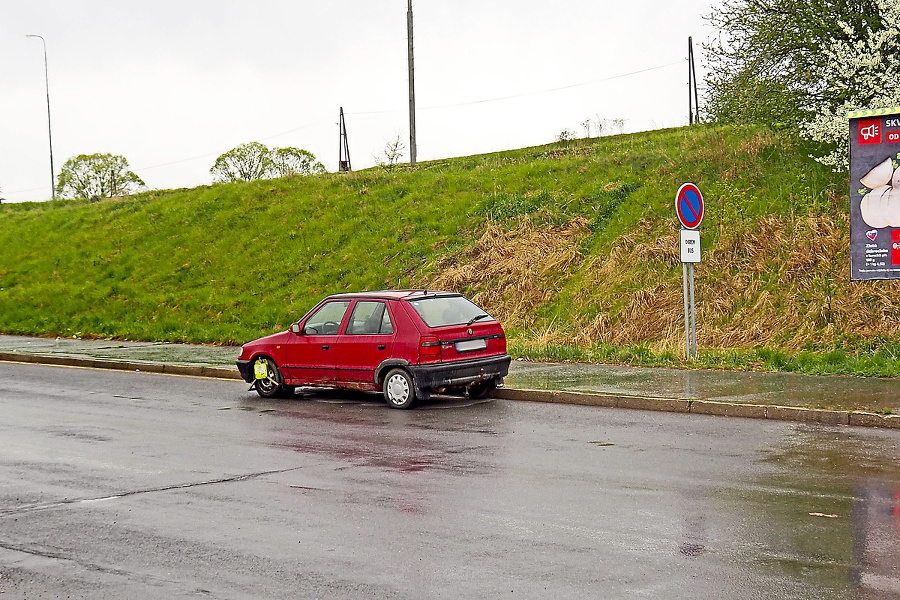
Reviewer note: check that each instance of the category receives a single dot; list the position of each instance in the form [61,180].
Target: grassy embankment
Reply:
[574,246]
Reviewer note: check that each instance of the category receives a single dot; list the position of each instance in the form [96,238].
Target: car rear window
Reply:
[440,311]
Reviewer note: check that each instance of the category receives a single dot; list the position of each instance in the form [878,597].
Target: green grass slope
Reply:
[574,246]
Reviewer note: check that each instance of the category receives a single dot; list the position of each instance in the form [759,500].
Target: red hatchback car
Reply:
[405,343]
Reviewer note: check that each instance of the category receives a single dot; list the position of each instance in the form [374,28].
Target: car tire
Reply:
[273,385]
[399,389]
[482,390]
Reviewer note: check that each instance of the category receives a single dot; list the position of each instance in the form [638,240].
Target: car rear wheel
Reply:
[399,389]
[269,383]
[484,389]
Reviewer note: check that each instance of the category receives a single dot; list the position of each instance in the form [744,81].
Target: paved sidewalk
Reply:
[760,395]
[787,389]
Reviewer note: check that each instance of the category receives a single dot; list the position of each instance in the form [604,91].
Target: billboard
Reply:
[875,194]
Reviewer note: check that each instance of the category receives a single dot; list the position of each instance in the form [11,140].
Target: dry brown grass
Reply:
[782,282]
[777,281]
[753,145]
[512,272]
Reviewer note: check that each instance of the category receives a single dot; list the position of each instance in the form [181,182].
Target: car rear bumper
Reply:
[460,372]
[244,369]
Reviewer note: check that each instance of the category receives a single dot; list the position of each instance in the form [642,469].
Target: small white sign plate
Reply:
[690,246]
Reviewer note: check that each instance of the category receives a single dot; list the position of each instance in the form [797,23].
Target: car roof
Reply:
[395,294]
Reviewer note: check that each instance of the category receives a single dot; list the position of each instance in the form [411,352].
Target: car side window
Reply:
[386,326]
[326,320]
[370,318]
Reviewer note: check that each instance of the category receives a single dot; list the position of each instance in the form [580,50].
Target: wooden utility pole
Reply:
[412,88]
[344,146]
[693,101]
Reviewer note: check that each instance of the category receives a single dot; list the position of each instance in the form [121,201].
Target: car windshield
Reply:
[440,311]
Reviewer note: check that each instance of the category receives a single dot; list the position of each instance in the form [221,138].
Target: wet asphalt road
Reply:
[130,485]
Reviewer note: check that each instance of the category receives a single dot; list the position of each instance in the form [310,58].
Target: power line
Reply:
[557,89]
[208,154]
[523,94]
[443,106]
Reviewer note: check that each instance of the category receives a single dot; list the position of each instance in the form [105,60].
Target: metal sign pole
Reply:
[693,315]
[687,318]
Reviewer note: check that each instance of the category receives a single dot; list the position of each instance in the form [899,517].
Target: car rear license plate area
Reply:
[470,345]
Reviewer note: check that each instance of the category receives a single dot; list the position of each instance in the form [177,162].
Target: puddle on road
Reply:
[830,510]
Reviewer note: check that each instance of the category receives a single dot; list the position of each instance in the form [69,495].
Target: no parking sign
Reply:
[689,205]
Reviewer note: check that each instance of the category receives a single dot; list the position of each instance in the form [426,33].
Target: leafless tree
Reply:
[393,151]
[565,136]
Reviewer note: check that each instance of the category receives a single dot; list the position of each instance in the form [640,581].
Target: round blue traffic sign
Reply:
[689,205]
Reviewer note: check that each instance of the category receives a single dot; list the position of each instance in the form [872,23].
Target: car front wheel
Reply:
[399,389]
[269,383]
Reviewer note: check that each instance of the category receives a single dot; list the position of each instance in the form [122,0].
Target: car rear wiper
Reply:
[478,318]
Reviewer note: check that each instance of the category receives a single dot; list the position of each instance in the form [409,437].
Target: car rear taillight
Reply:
[429,346]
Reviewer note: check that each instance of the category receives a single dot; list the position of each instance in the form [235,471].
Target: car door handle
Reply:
[381,346]
[325,347]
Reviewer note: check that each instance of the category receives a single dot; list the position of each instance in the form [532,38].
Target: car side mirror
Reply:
[295,328]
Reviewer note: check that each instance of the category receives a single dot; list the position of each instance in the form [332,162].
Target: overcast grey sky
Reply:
[172,85]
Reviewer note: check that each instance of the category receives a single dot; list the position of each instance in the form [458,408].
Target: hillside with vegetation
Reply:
[574,246]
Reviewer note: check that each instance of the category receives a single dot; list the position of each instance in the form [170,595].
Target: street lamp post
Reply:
[49,130]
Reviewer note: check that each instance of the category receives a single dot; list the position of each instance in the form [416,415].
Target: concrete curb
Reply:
[123,365]
[679,405]
[708,407]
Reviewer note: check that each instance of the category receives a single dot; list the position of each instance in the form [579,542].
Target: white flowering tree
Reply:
[859,73]
[804,64]
[766,63]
